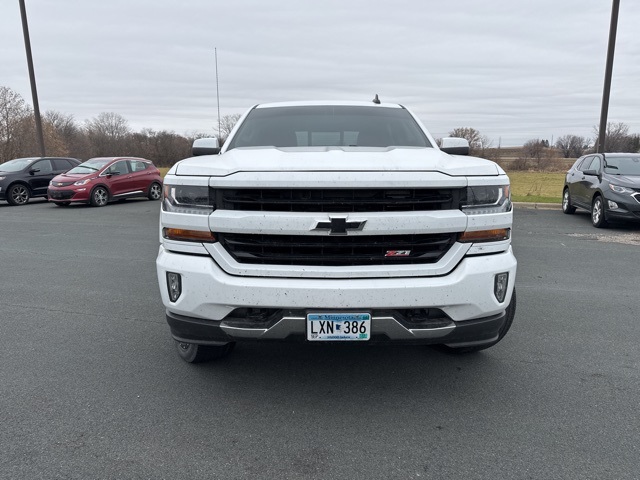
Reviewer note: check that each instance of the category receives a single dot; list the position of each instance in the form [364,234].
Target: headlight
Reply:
[83,182]
[2,178]
[187,199]
[486,199]
[619,189]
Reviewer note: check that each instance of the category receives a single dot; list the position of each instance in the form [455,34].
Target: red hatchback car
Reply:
[100,180]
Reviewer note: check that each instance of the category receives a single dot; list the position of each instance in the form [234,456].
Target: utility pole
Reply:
[602,132]
[32,77]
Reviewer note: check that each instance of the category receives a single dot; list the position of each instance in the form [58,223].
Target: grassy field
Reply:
[536,187]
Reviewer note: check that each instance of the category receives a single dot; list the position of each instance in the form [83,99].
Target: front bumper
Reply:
[67,194]
[210,295]
[291,326]
[628,207]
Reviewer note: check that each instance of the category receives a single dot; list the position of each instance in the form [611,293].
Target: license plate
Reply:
[338,326]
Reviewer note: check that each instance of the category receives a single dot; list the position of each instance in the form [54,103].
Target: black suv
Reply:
[606,184]
[23,178]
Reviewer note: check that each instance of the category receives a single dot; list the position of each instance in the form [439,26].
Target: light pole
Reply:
[602,133]
[32,77]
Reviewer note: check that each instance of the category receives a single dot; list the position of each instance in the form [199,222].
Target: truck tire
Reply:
[194,353]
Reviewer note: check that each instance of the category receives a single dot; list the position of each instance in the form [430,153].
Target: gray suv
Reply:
[23,178]
[607,185]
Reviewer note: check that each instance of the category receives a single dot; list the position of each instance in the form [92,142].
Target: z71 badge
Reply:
[397,253]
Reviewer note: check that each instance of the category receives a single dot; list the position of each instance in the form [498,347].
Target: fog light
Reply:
[174,285]
[500,286]
[612,205]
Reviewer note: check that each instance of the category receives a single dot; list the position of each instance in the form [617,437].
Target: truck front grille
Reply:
[336,250]
[338,200]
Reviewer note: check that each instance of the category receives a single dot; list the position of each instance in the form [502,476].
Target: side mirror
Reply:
[590,172]
[34,170]
[455,146]
[205,146]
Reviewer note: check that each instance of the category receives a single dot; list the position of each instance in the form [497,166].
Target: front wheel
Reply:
[597,213]
[99,197]
[155,191]
[510,313]
[18,194]
[566,203]
[194,353]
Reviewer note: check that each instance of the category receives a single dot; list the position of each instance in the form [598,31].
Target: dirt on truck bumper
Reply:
[213,307]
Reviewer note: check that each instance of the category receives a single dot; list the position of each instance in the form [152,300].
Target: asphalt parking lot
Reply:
[91,386]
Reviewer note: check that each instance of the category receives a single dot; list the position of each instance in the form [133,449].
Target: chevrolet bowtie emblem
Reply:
[339,225]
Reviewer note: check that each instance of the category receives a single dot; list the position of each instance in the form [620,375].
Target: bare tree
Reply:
[471,135]
[617,138]
[63,123]
[571,146]
[164,147]
[227,122]
[535,153]
[107,134]
[484,148]
[13,113]
[63,126]
[479,144]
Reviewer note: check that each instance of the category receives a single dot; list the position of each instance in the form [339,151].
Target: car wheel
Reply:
[194,353]
[18,194]
[598,212]
[99,197]
[155,191]
[63,204]
[566,203]
[510,314]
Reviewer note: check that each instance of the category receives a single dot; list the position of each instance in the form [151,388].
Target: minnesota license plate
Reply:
[338,326]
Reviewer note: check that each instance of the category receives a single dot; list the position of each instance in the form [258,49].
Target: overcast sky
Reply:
[513,69]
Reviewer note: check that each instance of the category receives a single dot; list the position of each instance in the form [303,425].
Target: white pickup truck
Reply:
[335,222]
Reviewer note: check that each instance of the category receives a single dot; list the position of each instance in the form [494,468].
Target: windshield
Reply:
[622,165]
[329,126]
[90,166]
[16,165]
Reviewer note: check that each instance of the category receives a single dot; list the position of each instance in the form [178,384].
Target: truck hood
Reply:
[340,159]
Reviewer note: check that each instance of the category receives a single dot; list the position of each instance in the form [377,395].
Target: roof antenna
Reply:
[215,50]
[376,100]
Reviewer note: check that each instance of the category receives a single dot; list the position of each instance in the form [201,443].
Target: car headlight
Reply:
[83,182]
[187,199]
[619,189]
[2,178]
[485,199]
